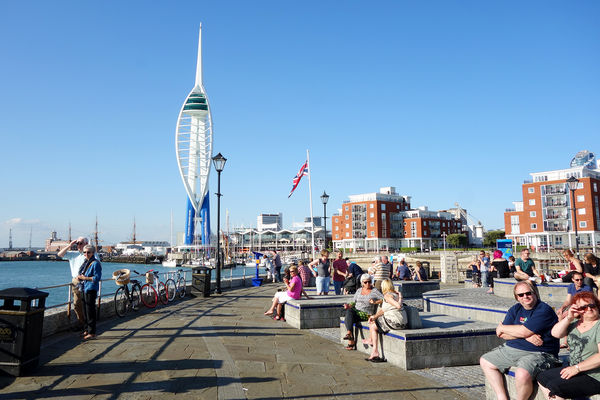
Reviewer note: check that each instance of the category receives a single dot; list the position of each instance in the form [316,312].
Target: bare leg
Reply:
[270,310]
[524,384]
[494,377]
[279,307]
[374,340]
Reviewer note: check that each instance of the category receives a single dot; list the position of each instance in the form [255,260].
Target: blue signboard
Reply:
[505,246]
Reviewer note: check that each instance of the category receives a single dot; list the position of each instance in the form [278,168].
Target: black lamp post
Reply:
[573,182]
[219,163]
[324,199]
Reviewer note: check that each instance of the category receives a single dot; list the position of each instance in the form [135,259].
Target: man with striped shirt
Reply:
[382,271]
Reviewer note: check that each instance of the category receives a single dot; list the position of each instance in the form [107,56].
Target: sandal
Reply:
[351,347]
[89,336]
[348,337]
[376,359]
[367,342]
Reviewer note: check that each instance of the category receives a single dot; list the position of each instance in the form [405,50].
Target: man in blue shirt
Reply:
[529,345]
[403,272]
[574,288]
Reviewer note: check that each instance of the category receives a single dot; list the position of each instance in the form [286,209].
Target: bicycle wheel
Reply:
[136,291]
[163,296]
[149,296]
[181,287]
[122,303]
[171,289]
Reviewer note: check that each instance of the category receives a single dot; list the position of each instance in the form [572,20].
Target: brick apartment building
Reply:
[544,219]
[385,221]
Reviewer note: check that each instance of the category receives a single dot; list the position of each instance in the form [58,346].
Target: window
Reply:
[514,219]
[404,223]
[372,215]
[530,190]
[372,233]
[372,224]
[347,226]
[581,211]
[347,234]
[532,202]
[337,220]
[404,233]
[337,236]
[583,224]
[443,224]
[346,208]
[371,205]
[533,226]
[595,187]
[337,228]
[532,214]
[347,216]
[397,206]
[424,223]
[580,198]
[580,185]
[383,207]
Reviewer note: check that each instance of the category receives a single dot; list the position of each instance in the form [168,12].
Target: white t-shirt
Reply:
[76,260]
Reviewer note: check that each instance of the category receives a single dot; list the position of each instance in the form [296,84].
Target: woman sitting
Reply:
[574,265]
[420,273]
[391,315]
[294,291]
[591,270]
[365,303]
[582,377]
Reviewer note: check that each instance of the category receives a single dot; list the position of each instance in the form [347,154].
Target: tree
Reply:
[489,239]
[457,240]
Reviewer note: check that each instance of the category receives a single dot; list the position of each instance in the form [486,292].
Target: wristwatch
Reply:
[577,366]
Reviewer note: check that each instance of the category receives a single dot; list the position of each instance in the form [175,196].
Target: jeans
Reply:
[337,285]
[278,274]
[89,311]
[485,279]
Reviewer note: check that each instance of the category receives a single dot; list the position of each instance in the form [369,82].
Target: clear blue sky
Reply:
[448,101]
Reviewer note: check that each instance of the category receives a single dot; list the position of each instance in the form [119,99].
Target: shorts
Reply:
[322,284]
[282,297]
[503,357]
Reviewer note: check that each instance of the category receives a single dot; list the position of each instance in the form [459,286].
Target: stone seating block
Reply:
[443,341]
[509,383]
[412,289]
[549,291]
[316,312]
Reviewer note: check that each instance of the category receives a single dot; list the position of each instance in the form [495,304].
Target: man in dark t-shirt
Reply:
[529,344]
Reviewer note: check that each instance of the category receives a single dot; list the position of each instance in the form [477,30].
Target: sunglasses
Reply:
[525,294]
[88,252]
[590,306]
[577,280]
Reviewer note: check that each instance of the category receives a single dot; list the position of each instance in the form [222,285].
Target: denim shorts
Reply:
[322,284]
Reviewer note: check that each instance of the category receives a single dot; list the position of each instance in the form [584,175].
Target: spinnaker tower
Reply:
[193,147]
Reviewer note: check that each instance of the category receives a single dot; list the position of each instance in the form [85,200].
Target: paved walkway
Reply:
[216,348]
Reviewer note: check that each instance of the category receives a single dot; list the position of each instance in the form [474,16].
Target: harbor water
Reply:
[43,274]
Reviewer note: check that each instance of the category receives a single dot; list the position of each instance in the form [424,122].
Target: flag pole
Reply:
[312,222]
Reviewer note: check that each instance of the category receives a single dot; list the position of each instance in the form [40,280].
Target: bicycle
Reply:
[126,300]
[150,294]
[176,287]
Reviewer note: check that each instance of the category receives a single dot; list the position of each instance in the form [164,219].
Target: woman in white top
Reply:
[391,315]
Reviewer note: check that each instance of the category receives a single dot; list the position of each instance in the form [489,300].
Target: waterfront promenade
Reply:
[221,347]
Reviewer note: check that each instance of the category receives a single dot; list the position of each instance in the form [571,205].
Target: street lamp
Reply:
[573,182]
[444,234]
[324,199]
[219,163]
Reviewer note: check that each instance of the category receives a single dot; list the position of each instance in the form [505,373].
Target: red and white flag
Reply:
[303,171]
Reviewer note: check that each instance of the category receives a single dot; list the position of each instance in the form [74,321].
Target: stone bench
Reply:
[471,304]
[443,341]
[317,312]
[412,289]
[549,291]
[509,383]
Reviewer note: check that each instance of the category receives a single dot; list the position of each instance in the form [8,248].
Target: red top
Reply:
[340,265]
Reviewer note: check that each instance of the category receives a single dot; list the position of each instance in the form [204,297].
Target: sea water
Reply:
[43,274]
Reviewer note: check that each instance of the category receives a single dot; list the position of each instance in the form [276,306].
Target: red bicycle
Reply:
[154,290]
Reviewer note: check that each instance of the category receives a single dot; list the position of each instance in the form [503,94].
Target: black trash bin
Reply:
[201,281]
[21,324]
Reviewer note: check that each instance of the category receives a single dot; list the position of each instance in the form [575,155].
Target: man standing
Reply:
[484,268]
[340,272]
[277,264]
[382,271]
[529,345]
[525,267]
[76,260]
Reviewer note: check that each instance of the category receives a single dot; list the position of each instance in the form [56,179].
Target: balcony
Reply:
[557,216]
[509,210]
[550,204]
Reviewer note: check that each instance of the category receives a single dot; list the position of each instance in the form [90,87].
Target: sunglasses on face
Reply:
[88,252]
[585,307]
[525,294]
[577,280]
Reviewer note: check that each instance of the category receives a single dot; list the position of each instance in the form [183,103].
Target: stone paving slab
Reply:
[219,347]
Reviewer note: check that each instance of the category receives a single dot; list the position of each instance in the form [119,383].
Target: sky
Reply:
[447,101]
